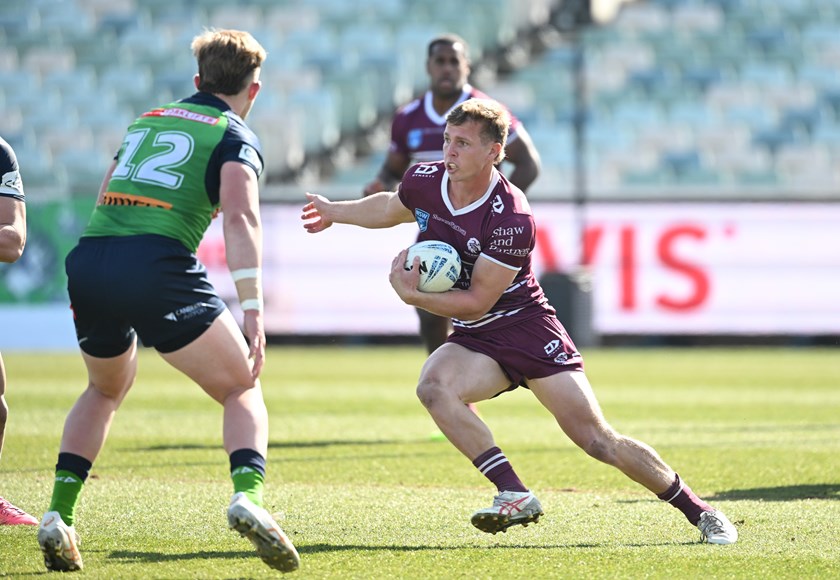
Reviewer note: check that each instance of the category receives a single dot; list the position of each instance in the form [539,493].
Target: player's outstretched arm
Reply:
[381,210]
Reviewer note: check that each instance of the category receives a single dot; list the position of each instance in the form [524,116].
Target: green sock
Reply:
[66,490]
[248,481]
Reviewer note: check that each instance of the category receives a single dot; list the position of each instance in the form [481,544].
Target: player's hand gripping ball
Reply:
[440,265]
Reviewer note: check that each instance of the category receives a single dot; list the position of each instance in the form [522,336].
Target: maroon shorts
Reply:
[530,349]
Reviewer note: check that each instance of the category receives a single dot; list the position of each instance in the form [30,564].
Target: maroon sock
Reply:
[681,497]
[495,466]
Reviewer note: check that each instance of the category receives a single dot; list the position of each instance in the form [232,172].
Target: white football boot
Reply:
[59,544]
[715,528]
[256,524]
[510,508]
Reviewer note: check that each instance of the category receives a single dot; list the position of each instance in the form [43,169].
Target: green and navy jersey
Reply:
[168,170]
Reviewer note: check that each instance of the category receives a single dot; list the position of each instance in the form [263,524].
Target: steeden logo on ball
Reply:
[440,265]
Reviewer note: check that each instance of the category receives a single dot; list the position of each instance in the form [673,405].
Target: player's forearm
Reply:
[369,212]
[243,250]
[460,304]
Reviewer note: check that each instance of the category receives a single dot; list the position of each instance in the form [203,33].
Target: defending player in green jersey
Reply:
[134,273]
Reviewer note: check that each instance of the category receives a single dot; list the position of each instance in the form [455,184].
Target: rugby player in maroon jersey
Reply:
[506,334]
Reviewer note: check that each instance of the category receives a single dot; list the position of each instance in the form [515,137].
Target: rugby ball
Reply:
[440,265]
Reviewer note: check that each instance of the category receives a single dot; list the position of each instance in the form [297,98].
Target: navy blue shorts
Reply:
[149,284]
[531,349]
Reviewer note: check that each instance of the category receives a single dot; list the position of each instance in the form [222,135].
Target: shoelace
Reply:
[711,525]
[7,507]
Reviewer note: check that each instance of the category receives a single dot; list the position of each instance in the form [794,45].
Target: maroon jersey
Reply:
[499,227]
[417,130]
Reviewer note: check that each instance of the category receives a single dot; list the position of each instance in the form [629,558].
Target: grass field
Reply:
[365,493]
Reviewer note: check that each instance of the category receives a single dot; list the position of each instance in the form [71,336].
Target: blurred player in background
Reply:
[12,242]
[417,136]
[134,273]
[506,333]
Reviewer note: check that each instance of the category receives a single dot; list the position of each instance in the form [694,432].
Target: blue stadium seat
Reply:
[319,112]
[773,139]
[678,163]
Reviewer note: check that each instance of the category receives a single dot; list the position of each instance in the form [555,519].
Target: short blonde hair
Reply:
[226,60]
[492,116]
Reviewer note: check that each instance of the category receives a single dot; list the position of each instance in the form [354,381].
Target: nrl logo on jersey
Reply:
[422,218]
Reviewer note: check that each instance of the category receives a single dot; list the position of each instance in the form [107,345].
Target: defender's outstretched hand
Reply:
[313,214]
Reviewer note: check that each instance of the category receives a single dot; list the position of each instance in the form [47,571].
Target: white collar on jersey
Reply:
[430,110]
[444,193]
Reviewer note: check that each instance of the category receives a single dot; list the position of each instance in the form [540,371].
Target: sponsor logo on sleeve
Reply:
[503,241]
[250,155]
[11,184]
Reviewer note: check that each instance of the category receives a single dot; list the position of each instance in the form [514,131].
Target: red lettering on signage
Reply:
[699,279]
[628,267]
[551,260]
[591,240]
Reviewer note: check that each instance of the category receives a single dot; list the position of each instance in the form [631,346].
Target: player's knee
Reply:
[601,446]
[114,388]
[430,392]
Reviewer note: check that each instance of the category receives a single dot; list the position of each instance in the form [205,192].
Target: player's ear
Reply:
[495,151]
[196,80]
[253,89]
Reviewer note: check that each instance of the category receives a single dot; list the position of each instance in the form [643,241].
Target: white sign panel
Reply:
[657,269]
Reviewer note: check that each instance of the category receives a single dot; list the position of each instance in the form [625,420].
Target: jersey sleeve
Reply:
[404,191]
[11,184]
[510,241]
[241,145]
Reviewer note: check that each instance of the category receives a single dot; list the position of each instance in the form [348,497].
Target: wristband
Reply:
[252,304]
[243,273]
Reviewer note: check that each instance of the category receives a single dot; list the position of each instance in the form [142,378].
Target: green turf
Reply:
[365,493]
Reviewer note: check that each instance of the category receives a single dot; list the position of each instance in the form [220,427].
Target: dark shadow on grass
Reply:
[289,444]
[829,491]
[138,556]
[326,548]
[128,556]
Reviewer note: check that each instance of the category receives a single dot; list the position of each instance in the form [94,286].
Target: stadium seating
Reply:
[742,96]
